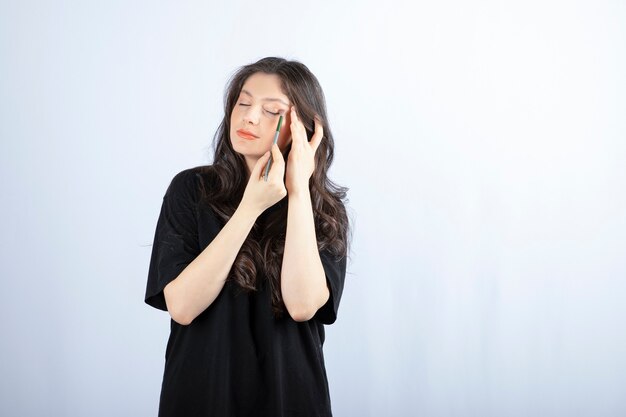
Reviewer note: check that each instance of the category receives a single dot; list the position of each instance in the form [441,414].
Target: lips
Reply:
[246,134]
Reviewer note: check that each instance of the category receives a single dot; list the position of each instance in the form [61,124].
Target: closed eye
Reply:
[272,113]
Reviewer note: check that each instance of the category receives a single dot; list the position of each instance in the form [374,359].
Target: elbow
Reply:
[302,313]
[174,308]
[305,311]
[180,319]
[179,316]
[300,317]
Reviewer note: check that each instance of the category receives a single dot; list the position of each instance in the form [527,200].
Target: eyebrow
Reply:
[267,98]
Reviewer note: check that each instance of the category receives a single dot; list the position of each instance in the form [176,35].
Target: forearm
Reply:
[303,280]
[199,284]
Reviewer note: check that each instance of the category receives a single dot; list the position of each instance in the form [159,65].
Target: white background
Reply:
[483,143]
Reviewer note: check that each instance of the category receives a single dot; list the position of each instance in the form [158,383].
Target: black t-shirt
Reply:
[235,358]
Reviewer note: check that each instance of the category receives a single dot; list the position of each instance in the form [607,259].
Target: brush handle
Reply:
[269,163]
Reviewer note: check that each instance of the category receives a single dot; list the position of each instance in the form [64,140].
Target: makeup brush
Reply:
[269,163]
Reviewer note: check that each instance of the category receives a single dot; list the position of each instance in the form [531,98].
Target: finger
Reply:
[298,128]
[278,162]
[259,167]
[317,136]
[277,156]
[294,126]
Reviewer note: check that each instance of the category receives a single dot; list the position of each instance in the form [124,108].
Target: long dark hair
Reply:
[224,182]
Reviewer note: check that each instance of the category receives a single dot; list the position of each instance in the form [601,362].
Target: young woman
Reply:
[250,270]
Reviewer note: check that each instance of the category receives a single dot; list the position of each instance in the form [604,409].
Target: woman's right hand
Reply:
[260,194]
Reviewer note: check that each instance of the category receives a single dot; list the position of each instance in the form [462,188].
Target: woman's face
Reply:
[257,111]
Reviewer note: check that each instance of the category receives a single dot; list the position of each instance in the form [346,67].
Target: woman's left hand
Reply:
[301,160]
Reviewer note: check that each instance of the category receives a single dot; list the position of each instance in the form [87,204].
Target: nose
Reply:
[251,116]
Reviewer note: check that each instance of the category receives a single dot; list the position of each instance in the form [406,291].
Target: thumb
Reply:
[260,165]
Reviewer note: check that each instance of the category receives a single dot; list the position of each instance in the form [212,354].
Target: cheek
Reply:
[284,137]
[236,113]
[235,120]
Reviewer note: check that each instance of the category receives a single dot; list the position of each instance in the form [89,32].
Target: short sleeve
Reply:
[335,270]
[175,239]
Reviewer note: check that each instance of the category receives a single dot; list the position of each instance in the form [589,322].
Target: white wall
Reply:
[483,143]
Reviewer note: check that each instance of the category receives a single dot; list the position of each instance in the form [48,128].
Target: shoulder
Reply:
[186,184]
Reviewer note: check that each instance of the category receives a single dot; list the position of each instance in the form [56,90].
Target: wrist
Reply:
[299,192]
[248,211]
